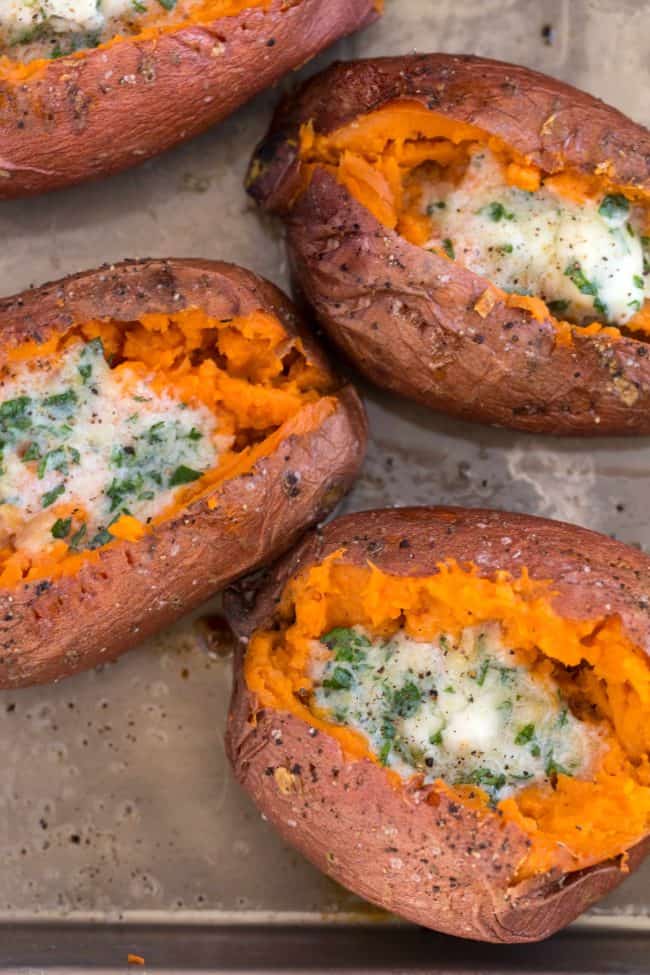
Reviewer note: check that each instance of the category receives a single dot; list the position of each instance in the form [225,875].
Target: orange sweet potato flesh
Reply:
[456,342]
[205,331]
[104,109]
[436,855]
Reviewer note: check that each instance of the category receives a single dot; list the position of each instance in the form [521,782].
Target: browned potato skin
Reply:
[406,316]
[436,866]
[50,630]
[116,106]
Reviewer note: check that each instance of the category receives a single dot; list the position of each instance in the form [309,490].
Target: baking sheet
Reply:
[116,804]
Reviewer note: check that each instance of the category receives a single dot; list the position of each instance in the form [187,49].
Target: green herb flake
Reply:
[448,248]
[346,645]
[78,536]
[497,212]
[614,208]
[183,475]
[488,779]
[167,4]
[437,738]
[559,306]
[525,734]
[50,496]
[341,680]
[638,281]
[13,408]
[575,273]
[482,672]
[554,768]
[385,752]
[32,453]
[407,700]
[61,527]
[101,538]
[64,400]
[154,432]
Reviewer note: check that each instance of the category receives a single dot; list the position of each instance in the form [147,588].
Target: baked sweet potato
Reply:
[474,235]
[166,426]
[448,712]
[90,88]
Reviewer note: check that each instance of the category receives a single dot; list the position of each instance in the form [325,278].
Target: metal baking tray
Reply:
[121,828]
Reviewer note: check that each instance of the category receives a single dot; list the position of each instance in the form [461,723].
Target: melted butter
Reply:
[585,259]
[464,711]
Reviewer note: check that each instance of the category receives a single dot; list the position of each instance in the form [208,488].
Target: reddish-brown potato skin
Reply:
[51,629]
[116,106]
[441,865]
[406,316]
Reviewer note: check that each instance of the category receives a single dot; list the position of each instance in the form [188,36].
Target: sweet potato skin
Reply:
[407,317]
[116,106]
[437,865]
[52,629]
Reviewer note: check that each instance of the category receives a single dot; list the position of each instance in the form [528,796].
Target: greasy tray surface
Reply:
[115,801]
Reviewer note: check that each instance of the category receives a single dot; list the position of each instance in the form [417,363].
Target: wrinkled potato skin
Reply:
[438,865]
[50,630]
[116,106]
[405,316]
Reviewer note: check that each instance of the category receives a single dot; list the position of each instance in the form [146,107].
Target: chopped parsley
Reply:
[346,644]
[407,700]
[78,440]
[488,780]
[61,527]
[497,212]
[183,475]
[448,248]
[396,691]
[575,273]
[340,680]
[614,208]
[78,537]
[11,409]
[525,734]
[50,496]
[61,401]
[101,538]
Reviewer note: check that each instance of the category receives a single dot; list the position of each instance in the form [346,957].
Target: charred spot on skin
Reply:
[291,484]
[215,635]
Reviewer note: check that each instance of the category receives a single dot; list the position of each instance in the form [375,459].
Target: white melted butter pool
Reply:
[81,434]
[585,259]
[462,711]
[58,27]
